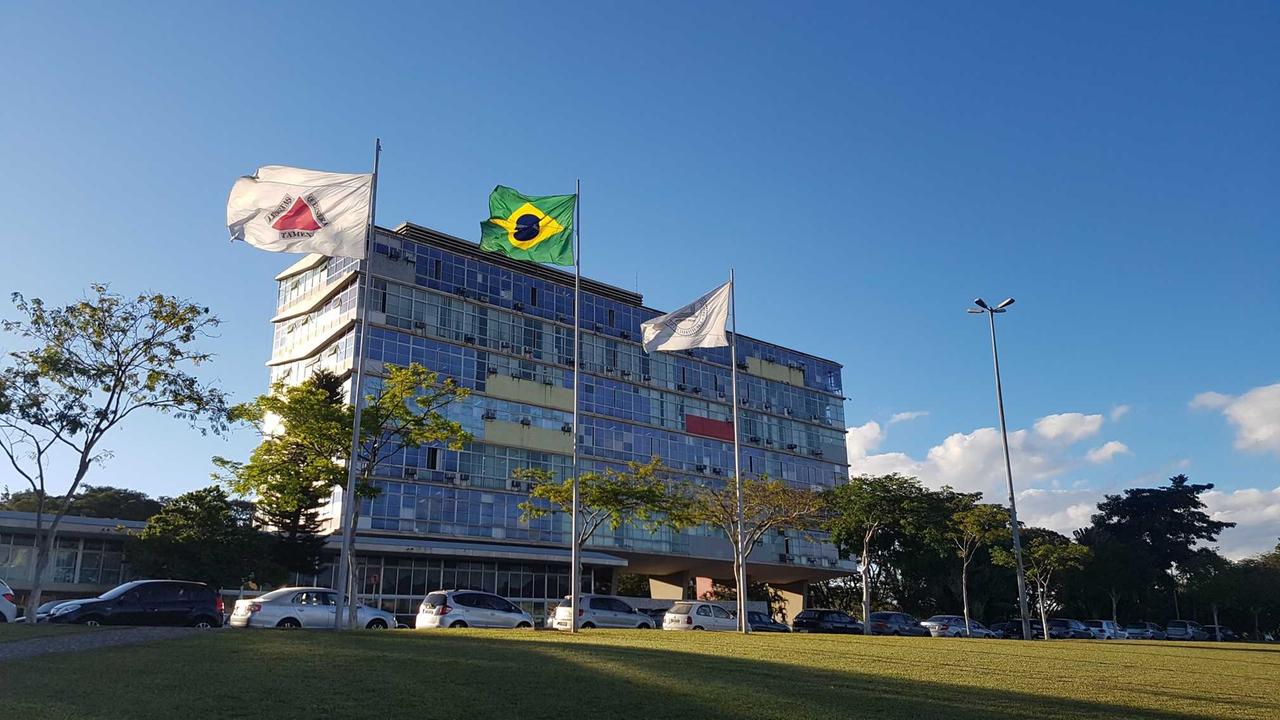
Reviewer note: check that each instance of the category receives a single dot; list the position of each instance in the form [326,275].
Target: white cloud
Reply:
[1257,514]
[863,439]
[1107,451]
[1255,415]
[1061,510]
[905,416]
[1119,411]
[1068,427]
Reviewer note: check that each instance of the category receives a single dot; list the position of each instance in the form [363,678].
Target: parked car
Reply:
[895,623]
[1220,632]
[1008,630]
[760,622]
[1105,630]
[302,607]
[953,626]
[1144,630]
[146,602]
[8,611]
[601,611]
[699,616]
[1185,630]
[469,608]
[656,615]
[822,620]
[1067,629]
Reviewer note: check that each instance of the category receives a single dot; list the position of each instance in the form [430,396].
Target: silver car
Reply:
[1106,630]
[8,611]
[302,607]
[601,611]
[470,608]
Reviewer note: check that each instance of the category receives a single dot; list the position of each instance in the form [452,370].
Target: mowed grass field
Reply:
[605,674]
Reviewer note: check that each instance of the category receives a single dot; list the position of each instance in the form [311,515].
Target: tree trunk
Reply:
[1217,629]
[1115,599]
[1044,613]
[866,592]
[740,600]
[964,595]
[351,567]
[44,549]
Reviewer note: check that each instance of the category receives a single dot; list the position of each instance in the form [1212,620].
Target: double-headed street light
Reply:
[991,312]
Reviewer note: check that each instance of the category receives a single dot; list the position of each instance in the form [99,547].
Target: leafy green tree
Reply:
[97,501]
[1166,523]
[635,497]
[87,368]
[203,535]
[1046,556]
[1118,567]
[870,516]
[767,504]
[306,433]
[973,528]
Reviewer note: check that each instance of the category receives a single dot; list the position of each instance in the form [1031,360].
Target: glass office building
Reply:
[504,329]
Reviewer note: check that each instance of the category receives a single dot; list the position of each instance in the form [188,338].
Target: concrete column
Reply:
[792,600]
[669,587]
[613,580]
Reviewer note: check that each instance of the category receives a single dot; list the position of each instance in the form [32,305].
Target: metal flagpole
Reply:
[575,571]
[741,580]
[342,582]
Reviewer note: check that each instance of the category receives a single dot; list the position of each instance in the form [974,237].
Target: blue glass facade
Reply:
[504,330]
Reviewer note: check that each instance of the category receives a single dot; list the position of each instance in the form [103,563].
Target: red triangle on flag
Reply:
[299,217]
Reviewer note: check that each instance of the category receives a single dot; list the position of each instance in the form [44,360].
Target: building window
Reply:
[533,296]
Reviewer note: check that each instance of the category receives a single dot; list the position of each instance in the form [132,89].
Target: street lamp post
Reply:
[991,312]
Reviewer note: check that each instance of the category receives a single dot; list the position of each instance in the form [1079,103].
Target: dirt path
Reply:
[105,637]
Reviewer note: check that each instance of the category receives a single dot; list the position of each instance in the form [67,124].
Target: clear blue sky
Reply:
[868,168]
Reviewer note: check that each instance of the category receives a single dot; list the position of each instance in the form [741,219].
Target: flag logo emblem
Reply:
[298,217]
[528,226]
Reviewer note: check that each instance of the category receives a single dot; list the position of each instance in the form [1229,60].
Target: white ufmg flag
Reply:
[698,324]
[286,209]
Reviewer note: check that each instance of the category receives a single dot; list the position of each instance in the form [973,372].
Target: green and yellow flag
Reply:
[525,227]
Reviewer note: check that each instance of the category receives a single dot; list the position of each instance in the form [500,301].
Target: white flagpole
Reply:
[741,579]
[575,571]
[342,582]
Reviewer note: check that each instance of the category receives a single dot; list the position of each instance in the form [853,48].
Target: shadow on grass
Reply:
[383,675]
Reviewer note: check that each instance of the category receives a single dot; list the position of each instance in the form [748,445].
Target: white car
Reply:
[8,611]
[699,616]
[470,608]
[1106,630]
[601,611]
[953,626]
[302,607]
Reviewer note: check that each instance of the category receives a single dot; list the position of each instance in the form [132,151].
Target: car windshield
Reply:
[276,593]
[436,600]
[119,590]
[678,608]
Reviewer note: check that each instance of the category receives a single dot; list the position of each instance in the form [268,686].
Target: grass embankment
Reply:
[477,674]
[12,632]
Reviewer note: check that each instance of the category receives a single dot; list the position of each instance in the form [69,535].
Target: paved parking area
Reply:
[104,637]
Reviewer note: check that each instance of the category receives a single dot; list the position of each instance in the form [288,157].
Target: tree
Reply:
[1166,522]
[403,410]
[203,535]
[971,529]
[89,366]
[767,505]
[1046,555]
[634,497]
[867,517]
[1118,567]
[306,433]
[97,501]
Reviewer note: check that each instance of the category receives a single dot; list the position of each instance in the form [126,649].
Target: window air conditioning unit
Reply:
[720,394]
[647,378]
[788,411]
[679,387]
[523,421]
[609,369]
[514,376]
[469,339]
[493,370]
[547,382]
[518,307]
[743,366]
[744,401]
[768,406]
[624,335]
[410,473]
[419,325]
[504,345]
[717,471]
[755,439]
[409,257]
[626,373]
[699,467]
[566,428]
[489,415]
[697,390]
[790,446]
[768,441]
[393,253]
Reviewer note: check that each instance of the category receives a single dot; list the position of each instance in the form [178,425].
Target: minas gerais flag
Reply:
[538,228]
[286,209]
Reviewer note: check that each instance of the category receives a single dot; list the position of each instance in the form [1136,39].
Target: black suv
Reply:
[826,621]
[146,602]
[895,623]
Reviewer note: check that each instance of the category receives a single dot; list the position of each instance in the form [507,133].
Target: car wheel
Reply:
[204,623]
[91,621]
[459,624]
[377,624]
[698,627]
[644,626]
[895,633]
[587,626]
[523,626]
[289,624]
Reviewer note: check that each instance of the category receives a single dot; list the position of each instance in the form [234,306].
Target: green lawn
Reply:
[9,632]
[530,674]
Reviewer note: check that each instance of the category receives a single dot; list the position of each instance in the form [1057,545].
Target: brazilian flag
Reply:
[529,227]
